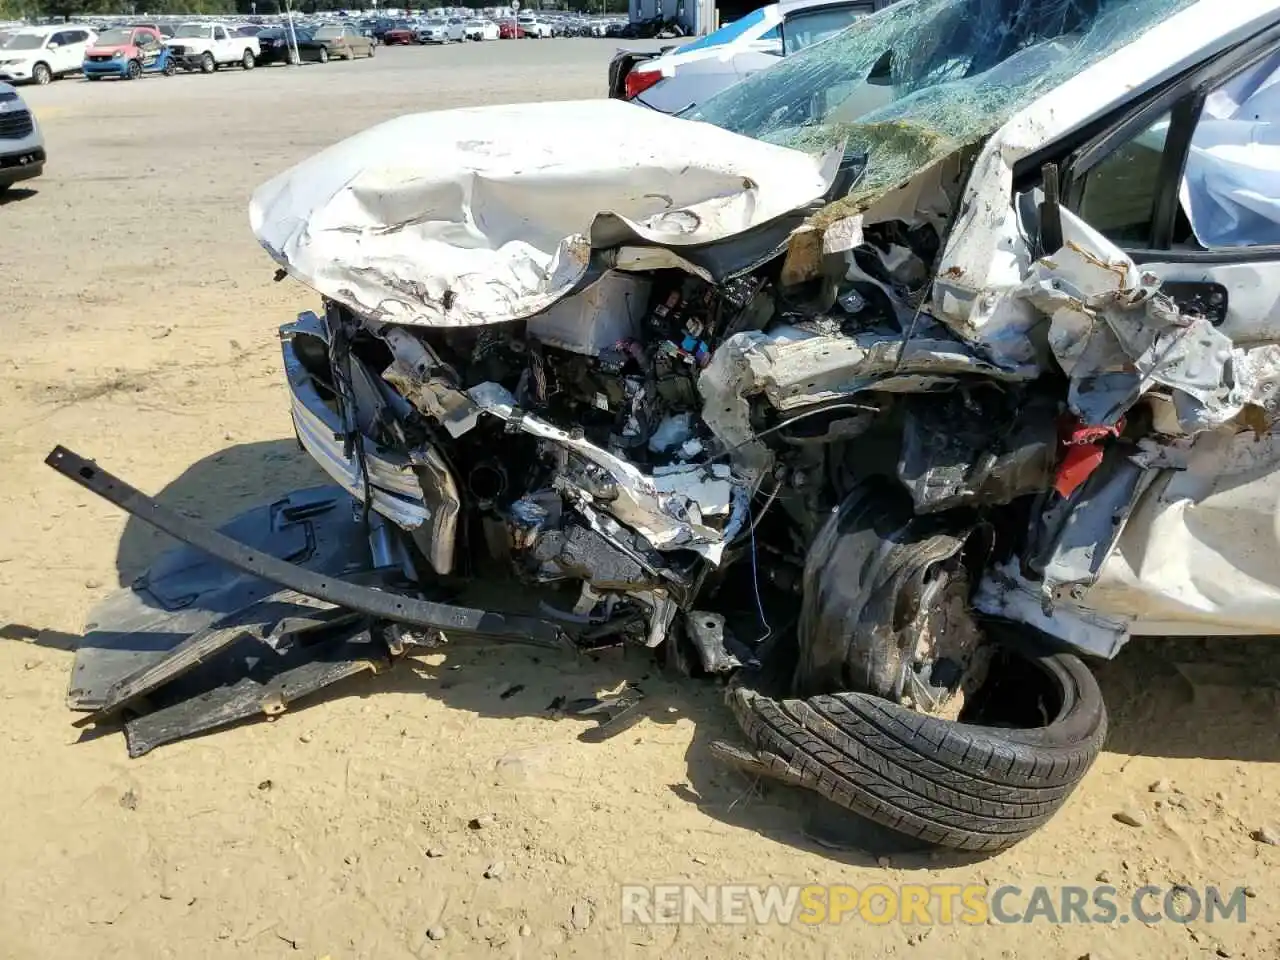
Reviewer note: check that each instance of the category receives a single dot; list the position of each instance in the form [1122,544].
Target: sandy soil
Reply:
[139,328]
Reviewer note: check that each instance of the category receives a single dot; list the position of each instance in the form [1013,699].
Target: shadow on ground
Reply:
[1167,698]
[215,489]
[15,194]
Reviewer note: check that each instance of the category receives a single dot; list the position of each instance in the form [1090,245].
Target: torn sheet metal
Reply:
[1116,336]
[672,509]
[487,214]
[1004,592]
[793,368]
[981,446]
[1200,553]
[1073,537]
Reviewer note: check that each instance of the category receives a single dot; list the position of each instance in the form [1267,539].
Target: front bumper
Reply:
[395,490]
[16,72]
[22,165]
[106,68]
[189,61]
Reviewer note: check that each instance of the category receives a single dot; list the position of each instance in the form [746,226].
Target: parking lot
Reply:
[139,329]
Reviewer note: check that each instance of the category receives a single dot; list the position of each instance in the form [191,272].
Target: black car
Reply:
[275,42]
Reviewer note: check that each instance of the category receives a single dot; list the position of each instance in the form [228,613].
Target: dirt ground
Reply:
[139,321]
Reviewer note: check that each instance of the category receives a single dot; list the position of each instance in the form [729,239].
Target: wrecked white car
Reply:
[883,385]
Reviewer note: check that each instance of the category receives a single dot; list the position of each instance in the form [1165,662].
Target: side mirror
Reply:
[54,44]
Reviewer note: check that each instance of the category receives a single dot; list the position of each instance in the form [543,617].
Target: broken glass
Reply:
[923,78]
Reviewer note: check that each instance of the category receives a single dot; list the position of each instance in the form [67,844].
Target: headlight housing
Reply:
[118,55]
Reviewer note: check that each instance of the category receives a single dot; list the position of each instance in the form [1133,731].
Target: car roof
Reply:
[789,7]
[44,31]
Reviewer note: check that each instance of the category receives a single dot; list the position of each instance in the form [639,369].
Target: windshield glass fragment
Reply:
[923,78]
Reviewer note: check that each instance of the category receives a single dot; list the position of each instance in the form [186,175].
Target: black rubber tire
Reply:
[170,69]
[133,71]
[41,75]
[947,783]
[323,55]
[247,62]
[208,64]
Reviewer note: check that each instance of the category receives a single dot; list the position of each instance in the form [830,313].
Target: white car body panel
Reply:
[505,209]
[501,226]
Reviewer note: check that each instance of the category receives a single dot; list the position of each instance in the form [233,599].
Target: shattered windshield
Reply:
[922,78]
[114,38]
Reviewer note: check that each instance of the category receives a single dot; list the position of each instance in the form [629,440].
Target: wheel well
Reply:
[41,63]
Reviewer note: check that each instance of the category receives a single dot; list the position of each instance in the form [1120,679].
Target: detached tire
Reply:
[894,701]
[949,783]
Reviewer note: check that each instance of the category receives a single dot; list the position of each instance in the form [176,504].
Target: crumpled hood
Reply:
[476,216]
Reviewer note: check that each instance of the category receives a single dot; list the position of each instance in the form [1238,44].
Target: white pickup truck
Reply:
[207,46]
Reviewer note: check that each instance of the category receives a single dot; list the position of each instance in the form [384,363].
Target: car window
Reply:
[1230,189]
[1228,192]
[1118,195]
[814,25]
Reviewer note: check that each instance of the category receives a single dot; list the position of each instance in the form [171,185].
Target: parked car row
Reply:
[409,30]
[42,54]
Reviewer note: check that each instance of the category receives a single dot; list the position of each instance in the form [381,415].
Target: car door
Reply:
[55,52]
[1186,183]
[221,45]
[148,44]
[76,47]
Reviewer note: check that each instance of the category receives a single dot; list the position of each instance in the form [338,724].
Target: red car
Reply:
[402,32]
[509,30]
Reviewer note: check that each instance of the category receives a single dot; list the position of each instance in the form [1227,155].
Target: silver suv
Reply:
[21,143]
